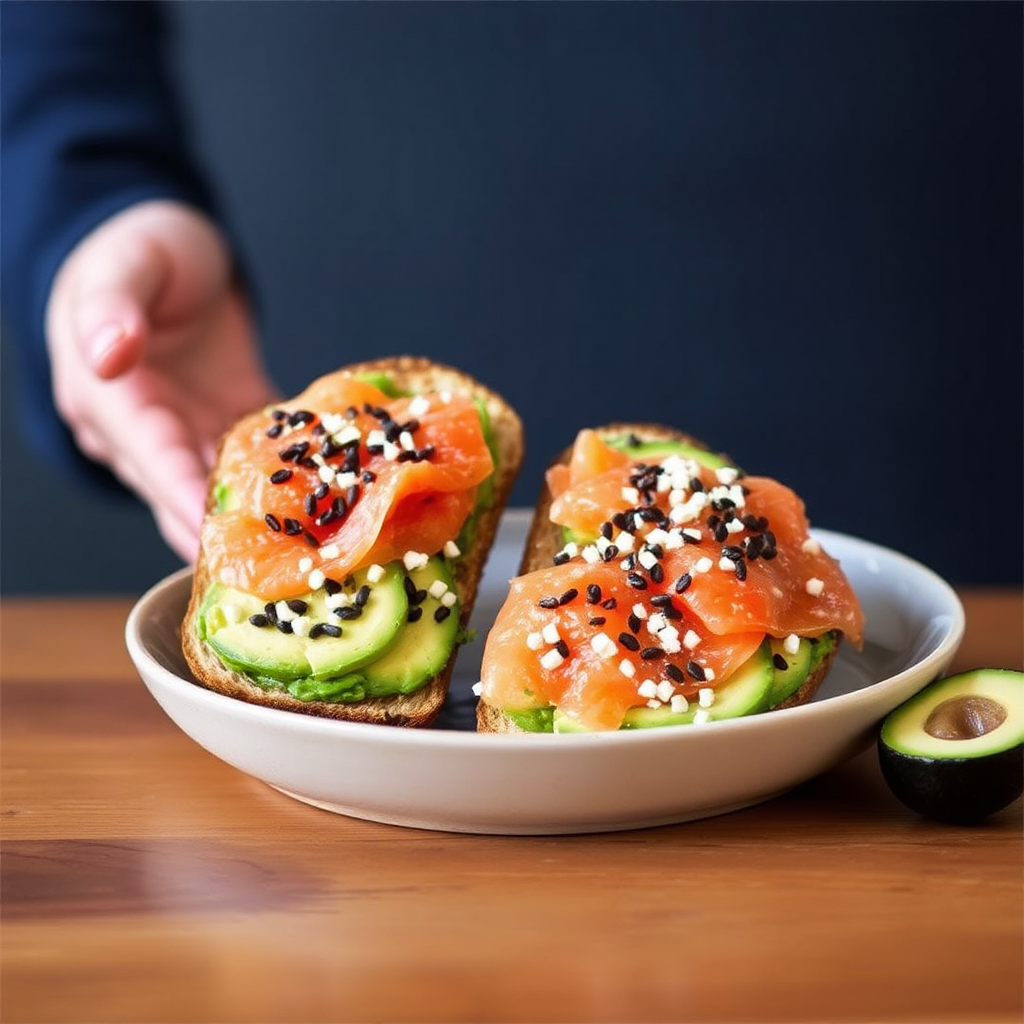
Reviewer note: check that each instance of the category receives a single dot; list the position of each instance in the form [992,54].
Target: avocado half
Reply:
[955,751]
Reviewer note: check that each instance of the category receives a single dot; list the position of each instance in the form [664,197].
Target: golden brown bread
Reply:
[544,539]
[418,375]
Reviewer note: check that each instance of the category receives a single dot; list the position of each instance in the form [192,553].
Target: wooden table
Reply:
[143,880]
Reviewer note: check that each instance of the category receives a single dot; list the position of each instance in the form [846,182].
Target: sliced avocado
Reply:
[426,641]
[638,448]
[745,693]
[955,751]
[792,670]
[267,651]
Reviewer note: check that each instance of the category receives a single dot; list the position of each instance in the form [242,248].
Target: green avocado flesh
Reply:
[379,653]
[955,751]
[759,685]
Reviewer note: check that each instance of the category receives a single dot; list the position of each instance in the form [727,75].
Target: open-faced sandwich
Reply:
[345,536]
[661,586]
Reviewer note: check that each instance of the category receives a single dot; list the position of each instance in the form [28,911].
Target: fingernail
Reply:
[104,339]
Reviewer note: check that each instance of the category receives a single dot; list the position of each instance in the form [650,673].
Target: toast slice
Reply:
[408,375]
[545,540]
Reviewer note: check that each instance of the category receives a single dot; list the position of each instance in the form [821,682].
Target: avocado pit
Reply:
[965,718]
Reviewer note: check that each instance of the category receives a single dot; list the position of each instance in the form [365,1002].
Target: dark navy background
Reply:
[793,230]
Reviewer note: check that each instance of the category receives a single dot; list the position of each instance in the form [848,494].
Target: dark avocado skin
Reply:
[957,791]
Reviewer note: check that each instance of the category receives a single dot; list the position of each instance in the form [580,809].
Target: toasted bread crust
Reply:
[422,707]
[544,540]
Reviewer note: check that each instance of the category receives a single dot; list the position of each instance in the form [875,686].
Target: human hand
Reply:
[154,356]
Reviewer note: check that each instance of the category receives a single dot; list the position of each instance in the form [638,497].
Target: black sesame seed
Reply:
[273,522]
[652,653]
[780,662]
[259,619]
[683,583]
[593,594]
[696,671]
[441,613]
[629,641]
[636,581]
[280,476]
[415,614]
[570,595]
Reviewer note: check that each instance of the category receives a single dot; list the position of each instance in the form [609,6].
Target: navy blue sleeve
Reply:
[89,126]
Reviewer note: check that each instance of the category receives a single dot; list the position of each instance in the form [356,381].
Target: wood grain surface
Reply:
[143,880]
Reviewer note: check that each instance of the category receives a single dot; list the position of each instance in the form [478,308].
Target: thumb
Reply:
[110,309]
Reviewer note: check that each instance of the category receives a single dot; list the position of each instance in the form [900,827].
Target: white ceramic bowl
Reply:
[453,779]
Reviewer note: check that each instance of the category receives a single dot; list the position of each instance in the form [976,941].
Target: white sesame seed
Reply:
[627,668]
[703,564]
[534,641]
[451,549]
[550,633]
[316,579]
[679,704]
[791,644]
[603,645]
[706,696]
[647,689]
[375,573]
[691,640]
[551,659]
[814,586]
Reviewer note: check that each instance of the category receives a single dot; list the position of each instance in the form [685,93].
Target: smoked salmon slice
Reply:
[342,478]
[673,576]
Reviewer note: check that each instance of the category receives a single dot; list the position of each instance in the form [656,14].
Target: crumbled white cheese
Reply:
[551,659]
[550,633]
